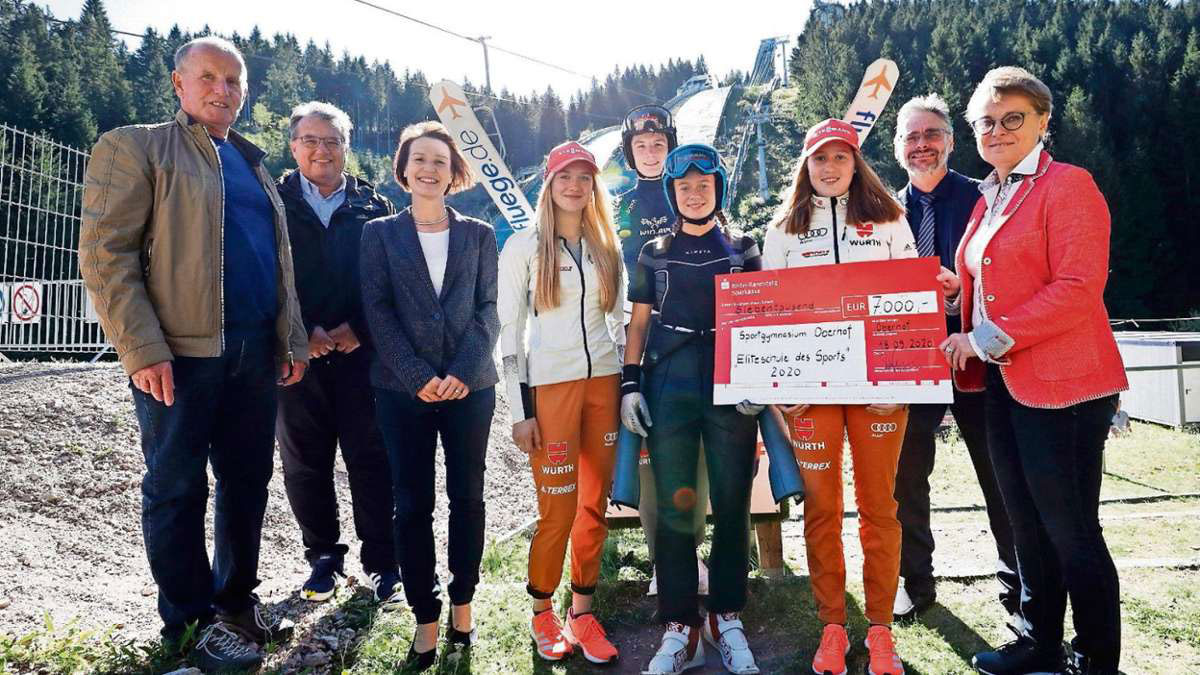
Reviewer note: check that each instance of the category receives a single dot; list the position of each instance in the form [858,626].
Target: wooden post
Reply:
[770,547]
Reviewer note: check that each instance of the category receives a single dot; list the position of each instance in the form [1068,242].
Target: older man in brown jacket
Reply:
[184,250]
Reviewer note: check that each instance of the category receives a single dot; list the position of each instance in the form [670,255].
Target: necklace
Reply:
[425,223]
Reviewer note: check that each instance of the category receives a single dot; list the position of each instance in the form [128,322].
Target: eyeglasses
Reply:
[929,135]
[311,142]
[1011,121]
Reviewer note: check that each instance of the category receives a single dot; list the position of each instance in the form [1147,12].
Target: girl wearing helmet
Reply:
[562,282]
[643,213]
[671,337]
[839,211]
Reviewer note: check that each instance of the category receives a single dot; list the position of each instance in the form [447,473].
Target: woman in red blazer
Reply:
[1033,263]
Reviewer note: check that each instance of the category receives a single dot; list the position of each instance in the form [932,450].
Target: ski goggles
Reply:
[647,118]
[703,158]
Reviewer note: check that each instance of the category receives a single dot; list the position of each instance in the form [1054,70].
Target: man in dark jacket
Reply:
[939,203]
[334,405]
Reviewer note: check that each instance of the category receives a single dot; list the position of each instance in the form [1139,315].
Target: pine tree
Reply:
[286,85]
[102,68]
[153,94]
[70,117]
[26,92]
[552,122]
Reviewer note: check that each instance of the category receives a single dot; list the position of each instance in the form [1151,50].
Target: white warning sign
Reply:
[3,303]
[25,302]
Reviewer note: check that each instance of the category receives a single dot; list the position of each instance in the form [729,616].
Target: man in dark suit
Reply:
[334,406]
[939,203]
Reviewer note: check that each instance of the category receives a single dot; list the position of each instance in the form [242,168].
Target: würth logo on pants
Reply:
[803,428]
[556,453]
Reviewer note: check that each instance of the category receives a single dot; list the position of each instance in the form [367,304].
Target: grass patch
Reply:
[1153,455]
[68,648]
[1160,607]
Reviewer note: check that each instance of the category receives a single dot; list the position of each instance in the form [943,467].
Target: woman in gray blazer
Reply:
[429,295]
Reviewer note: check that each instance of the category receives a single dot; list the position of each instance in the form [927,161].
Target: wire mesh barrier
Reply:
[43,305]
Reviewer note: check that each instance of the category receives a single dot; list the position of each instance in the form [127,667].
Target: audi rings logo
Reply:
[883,427]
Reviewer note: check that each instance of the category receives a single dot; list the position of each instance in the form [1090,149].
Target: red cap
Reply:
[828,131]
[568,152]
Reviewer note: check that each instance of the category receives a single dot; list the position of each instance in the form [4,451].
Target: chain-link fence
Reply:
[43,305]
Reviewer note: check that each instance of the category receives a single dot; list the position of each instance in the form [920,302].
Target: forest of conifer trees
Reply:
[1124,75]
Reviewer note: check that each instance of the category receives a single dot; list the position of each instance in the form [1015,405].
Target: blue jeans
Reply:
[224,413]
[410,430]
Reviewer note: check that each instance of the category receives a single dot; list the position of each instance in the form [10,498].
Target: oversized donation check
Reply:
[850,333]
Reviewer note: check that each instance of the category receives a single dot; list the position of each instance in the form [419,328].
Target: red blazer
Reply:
[1043,276]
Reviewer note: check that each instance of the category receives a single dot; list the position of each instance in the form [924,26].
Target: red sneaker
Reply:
[883,657]
[585,632]
[547,631]
[830,658]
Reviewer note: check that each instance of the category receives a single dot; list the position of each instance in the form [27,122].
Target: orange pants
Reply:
[578,423]
[875,441]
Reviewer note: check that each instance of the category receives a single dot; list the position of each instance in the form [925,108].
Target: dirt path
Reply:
[70,474]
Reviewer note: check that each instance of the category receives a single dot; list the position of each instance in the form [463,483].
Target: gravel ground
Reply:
[70,474]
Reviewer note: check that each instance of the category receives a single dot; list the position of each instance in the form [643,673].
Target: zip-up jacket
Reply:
[831,240]
[575,340]
[326,258]
[152,239]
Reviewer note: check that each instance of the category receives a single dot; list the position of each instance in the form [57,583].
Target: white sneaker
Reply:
[681,650]
[726,633]
[653,590]
[903,607]
[702,575]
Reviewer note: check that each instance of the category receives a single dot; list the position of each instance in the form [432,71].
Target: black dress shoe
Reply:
[417,662]
[460,639]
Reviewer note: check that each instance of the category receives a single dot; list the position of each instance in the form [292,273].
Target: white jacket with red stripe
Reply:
[573,341]
[831,240]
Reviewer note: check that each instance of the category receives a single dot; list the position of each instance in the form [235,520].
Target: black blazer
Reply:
[417,334]
[954,199]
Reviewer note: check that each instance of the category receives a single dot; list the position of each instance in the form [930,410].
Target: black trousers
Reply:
[679,395]
[411,429]
[334,405]
[1049,467]
[912,495]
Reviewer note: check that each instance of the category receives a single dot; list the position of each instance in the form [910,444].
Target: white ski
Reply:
[451,105]
[873,95]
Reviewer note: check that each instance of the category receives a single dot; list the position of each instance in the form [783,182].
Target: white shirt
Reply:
[997,195]
[436,248]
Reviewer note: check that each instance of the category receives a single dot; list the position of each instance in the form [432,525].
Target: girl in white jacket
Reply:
[562,341]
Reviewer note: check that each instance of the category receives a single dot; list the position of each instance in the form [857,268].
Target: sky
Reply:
[560,33]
